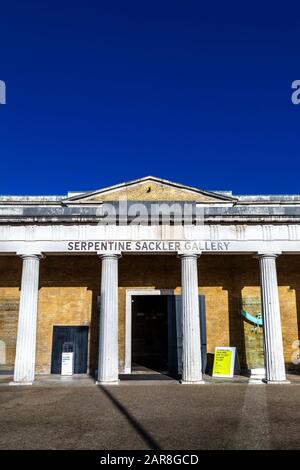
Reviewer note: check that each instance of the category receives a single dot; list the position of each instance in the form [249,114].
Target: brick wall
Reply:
[70,286]
[10,280]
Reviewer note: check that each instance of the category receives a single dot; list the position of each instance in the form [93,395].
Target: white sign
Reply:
[148,245]
[296,94]
[67,363]
[2,92]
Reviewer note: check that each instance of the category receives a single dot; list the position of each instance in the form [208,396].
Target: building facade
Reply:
[149,274]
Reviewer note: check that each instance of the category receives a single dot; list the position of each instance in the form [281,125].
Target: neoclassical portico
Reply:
[108,368]
[75,226]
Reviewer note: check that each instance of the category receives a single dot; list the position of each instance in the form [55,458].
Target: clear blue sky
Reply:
[100,92]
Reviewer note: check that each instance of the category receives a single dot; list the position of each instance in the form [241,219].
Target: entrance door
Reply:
[150,332]
[78,335]
[157,333]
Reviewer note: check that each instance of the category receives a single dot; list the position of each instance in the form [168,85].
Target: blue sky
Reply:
[103,92]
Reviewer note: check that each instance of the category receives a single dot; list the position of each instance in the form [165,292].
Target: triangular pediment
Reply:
[150,188]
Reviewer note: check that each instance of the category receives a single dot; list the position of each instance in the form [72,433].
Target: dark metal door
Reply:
[78,335]
[175,332]
[174,336]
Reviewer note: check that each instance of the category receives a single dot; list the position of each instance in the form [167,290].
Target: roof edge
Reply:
[217,195]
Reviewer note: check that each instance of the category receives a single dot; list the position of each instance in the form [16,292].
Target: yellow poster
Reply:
[224,362]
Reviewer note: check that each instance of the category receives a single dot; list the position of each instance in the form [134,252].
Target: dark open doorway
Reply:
[150,332]
[157,334]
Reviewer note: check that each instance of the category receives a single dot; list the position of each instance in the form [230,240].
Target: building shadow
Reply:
[288,272]
[292,367]
[236,324]
[296,368]
[10,283]
[231,274]
[94,334]
[141,431]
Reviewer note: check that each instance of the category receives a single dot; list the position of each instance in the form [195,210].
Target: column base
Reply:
[276,382]
[257,375]
[256,381]
[20,383]
[196,382]
[116,382]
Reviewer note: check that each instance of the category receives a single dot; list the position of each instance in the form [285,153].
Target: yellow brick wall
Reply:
[152,191]
[70,286]
[288,271]
[10,280]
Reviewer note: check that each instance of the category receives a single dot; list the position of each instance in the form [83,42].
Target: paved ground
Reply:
[150,416]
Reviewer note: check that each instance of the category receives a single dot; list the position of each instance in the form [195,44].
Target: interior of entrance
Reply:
[150,333]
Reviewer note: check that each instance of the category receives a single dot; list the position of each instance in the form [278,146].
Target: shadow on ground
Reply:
[150,416]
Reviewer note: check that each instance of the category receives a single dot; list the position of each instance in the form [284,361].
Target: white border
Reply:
[128,323]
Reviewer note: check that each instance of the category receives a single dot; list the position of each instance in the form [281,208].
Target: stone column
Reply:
[26,338]
[191,340]
[108,366]
[274,358]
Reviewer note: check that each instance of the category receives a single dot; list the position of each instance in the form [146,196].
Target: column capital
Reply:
[113,255]
[187,254]
[36,256]
[273,255]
